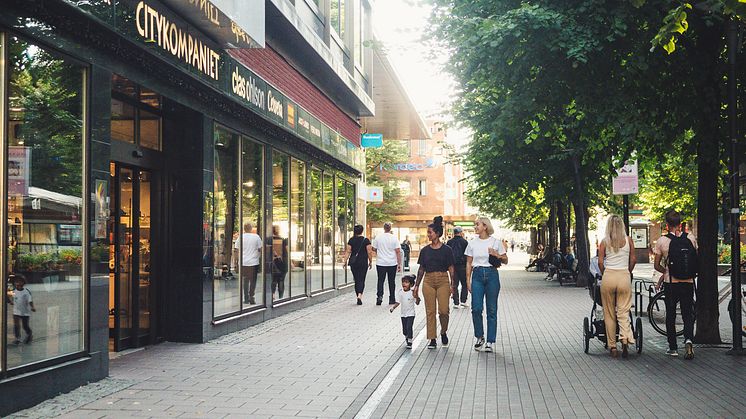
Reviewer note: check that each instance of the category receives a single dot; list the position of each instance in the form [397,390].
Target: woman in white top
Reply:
[616,260]
[483,281]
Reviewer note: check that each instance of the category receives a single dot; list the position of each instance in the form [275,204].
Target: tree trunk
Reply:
[552,226]
[563,231]
[581,227]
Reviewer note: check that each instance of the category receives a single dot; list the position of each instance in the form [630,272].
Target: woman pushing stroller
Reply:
[616,260]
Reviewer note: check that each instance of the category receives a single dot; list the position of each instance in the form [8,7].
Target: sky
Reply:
[399,25]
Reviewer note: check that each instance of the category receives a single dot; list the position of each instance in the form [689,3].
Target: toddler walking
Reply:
[406,299]
[23,305]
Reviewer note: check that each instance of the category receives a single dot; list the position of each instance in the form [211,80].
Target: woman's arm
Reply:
[469,261]
[632,255]
[601,257]
[420,274]
[369,249]
[348,252]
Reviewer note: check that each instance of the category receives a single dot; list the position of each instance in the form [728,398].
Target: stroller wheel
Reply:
[638,335]
[586,333]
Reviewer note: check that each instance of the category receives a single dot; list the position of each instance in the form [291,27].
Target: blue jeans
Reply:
[485,284]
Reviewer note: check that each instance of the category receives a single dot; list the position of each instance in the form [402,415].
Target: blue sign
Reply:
[371,140]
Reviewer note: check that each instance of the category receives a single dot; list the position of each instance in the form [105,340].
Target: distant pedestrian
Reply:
[23,305]
[616,260]
[512,245]
[407,300]
[250,245]
[279,262]
[458,244]
[676,257]
[406,248]
[436,264]
[388,261]
[359,259]
[484,281]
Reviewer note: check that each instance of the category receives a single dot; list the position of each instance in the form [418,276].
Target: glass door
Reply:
[130,261]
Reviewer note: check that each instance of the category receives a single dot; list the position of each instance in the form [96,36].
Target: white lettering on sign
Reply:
[274,105]
[247,89]
[210,11]
[304,123]
[156,28]
[315,131]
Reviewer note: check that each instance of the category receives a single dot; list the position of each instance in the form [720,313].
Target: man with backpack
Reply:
[676,258]
[458,244]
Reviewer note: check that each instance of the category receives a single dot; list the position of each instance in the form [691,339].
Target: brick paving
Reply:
[330,360]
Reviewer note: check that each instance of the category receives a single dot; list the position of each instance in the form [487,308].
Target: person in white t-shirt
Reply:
[249,244]
[407,300]
[23,305]
[388,261]
[483,281]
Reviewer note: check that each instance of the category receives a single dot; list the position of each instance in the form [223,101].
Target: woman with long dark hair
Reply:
[436,264]
[359,259]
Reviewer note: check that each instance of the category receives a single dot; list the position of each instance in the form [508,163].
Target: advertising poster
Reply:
[101,210]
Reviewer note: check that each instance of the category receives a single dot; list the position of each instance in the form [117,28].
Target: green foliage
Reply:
[725,255]
[392,152]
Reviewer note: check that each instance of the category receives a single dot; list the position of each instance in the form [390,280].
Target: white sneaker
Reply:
[455,307]
[464,305]
[488,347]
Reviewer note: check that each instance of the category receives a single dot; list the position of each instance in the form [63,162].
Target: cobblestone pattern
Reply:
[76,398]
[327,361]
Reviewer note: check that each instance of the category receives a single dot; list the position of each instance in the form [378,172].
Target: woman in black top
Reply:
[359,259]
[436,263]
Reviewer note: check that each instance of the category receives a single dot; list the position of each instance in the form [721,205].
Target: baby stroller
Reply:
[595,327]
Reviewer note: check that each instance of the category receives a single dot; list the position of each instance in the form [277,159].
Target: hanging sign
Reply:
[626,181]
[375,194]
[371,140]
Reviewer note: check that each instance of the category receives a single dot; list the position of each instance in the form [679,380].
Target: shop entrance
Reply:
[132,263]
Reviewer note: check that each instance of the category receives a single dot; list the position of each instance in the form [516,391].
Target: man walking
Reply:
[388,261]
[250,246]
[458,244]
[676,258]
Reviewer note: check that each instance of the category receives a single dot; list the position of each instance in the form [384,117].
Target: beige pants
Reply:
[436,287]
[616,296]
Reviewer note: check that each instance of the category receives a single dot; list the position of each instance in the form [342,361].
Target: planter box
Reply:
[38,277]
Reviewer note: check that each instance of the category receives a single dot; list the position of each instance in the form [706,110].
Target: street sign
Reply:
[371,140]
[375,194]
[625,182]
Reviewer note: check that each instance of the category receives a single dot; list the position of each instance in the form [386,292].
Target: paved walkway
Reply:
[340,360]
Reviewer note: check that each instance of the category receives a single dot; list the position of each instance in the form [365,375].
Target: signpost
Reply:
[375,194]
[626,183]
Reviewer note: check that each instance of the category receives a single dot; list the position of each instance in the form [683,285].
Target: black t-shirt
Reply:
[458,245]
[359,252]
[436,260]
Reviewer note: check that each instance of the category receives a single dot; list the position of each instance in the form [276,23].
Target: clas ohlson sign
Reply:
[156,26]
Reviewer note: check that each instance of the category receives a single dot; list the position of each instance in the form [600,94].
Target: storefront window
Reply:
[45,282]
[314,231]
[350,216]
[280,224]
[226,283]
[252,243]
[340,229]
[135,115]
[328,230]
[297,228]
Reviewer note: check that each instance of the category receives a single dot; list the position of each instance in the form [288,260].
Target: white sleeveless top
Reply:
[619,259]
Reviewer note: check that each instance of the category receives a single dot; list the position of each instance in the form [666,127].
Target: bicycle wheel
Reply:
[657,315]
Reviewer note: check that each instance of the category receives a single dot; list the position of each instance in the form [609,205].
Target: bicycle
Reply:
[657,313]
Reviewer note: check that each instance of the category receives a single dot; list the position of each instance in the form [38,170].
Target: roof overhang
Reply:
[232,23]
[396,117]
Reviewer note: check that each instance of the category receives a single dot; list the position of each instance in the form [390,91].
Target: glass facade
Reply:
[297,228]
[251,246]
[315,222]
[226,277]
[280,225]
[328,230]
[44,126]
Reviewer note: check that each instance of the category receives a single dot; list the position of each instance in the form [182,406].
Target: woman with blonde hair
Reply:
[483,281]
[616,260]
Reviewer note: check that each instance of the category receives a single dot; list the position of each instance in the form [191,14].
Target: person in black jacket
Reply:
[406,248]
[458,244]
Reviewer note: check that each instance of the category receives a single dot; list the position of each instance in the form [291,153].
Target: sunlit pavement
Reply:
[337,359]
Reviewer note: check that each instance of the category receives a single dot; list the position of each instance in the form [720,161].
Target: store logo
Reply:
[407,167]
[274,105]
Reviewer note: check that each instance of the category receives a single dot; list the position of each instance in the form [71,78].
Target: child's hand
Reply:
[417,300]
[34,310]
[391,310]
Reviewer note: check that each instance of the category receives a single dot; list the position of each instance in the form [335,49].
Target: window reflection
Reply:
[227,294]
[45,200]
[327,230]
[341,232]
[251,244]
[297,231]
[281,224]
[314,230]
[135,113]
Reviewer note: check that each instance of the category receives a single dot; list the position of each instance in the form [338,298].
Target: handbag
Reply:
[353,258]
[494,260]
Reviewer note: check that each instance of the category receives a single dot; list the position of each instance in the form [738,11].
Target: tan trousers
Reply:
[436,287]
[616,296]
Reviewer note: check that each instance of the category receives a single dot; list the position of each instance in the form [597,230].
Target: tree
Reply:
[378,173]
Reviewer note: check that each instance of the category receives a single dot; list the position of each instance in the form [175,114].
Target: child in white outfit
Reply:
[406,299]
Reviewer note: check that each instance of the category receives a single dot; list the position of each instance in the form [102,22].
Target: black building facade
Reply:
[155,188]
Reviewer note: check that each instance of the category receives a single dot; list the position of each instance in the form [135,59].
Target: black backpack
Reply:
[682,257]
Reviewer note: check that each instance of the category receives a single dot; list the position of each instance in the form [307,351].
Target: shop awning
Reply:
[396,117]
